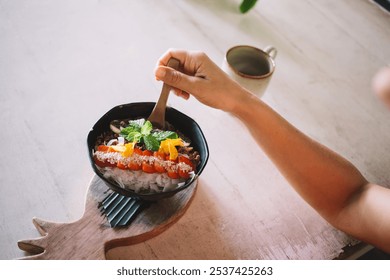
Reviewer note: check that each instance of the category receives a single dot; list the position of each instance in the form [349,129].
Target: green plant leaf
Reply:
[151,142]
[129,129]
[162,135]
[140,131]
[146,128]
[133,136]
[246,5]
[137,123]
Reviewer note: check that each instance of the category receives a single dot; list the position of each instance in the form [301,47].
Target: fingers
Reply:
[176,79]
[181,93]
[180,82]
[190,61]
[181,55]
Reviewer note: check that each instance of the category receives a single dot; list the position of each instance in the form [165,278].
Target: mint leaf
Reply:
[162,135]
[131,133]
[137,123]
[133,136]
[140,131]
[151,142]
[146,128]
[136,130]
[130,129]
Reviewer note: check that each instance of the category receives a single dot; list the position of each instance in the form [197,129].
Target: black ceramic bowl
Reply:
[180,121]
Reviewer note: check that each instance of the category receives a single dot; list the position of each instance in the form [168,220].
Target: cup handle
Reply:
[271,51]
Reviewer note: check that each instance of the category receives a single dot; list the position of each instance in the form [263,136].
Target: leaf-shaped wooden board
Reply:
[91,236]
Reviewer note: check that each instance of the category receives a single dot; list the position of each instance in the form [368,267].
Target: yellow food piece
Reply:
[118,148]
[129,149]
[168,146]
[126,150]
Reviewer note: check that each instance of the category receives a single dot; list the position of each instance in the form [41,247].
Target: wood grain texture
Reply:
[91,236]
[64,63]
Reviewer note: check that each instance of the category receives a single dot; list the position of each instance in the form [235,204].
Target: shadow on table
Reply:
[194,236]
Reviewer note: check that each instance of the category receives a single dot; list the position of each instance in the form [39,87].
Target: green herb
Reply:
[140,131]
[162,135]
[134,126]
[136,130]
[151,142]
[146,128]
[137,123]
[246,5]
[133,136]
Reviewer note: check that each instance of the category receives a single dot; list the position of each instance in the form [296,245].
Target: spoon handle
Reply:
[157,117]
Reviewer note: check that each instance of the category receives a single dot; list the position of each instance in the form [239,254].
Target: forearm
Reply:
[332,185]
[324,179]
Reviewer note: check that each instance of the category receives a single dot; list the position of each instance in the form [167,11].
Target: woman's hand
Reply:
[328,182]
[201,77]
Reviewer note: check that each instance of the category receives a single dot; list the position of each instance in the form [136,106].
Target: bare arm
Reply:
[328,182]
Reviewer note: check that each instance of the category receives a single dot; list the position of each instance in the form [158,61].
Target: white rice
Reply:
[139,181]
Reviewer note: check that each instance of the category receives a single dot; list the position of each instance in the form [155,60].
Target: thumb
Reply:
[174,78]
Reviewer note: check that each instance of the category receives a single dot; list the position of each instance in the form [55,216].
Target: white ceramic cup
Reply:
[251,67]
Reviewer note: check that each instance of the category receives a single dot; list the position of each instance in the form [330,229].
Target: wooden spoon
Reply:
[157,117]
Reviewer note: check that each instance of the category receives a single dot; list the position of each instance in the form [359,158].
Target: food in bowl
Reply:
[143,158]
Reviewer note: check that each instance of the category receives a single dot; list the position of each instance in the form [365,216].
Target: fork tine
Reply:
[106,199]
[109,199]
[116,220]
[113,205]
[120,210]
[111,216]
[106,202]
[126,219]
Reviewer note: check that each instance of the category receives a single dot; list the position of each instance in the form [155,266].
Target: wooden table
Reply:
[64,63]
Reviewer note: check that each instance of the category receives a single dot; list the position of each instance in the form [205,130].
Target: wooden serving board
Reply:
[91,236]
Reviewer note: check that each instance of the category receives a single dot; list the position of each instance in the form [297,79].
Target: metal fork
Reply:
[120,210]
